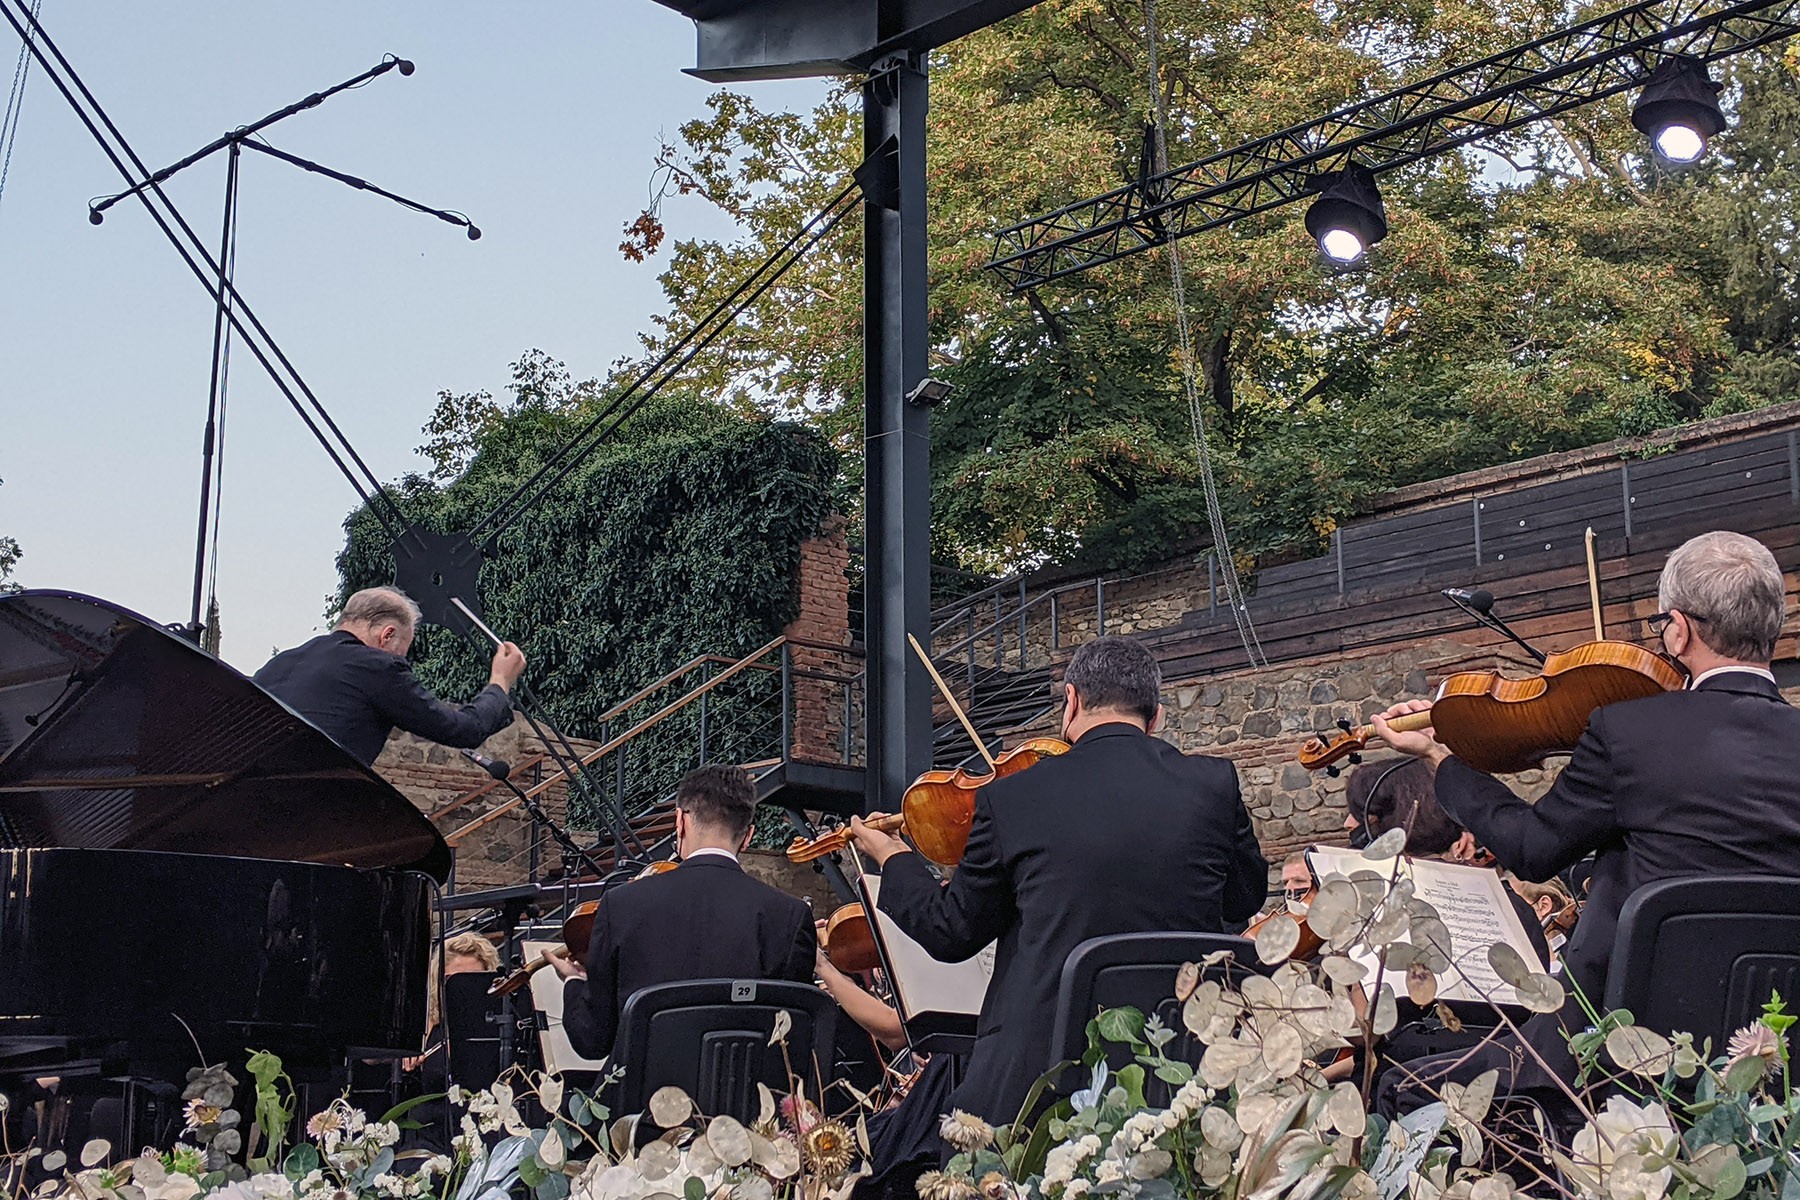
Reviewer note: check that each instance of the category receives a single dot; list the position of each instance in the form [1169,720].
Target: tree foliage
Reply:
[1547,289]
[679,536]
[9,559]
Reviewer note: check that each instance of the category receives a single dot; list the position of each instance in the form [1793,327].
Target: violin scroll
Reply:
[1325,752]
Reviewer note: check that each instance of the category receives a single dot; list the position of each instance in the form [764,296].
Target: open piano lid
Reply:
[117,734]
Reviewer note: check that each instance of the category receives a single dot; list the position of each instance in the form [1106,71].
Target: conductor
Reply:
[356,685]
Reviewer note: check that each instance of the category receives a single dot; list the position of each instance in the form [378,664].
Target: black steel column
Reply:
[896,447]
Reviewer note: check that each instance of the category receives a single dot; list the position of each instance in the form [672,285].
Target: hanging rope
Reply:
[15,104]
[1215,517]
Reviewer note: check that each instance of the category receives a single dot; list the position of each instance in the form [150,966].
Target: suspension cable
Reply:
[15,105]
[1215,517]
[200,263]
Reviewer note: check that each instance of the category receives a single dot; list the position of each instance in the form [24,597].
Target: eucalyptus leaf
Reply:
[1385,847]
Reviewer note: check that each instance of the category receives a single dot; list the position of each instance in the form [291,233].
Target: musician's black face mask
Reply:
[1359,837]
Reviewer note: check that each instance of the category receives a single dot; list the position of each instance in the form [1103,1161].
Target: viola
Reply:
[577,934]
[937,810]
[848,941]
[1500,725]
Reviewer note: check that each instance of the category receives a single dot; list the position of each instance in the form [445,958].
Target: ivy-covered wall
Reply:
[680,537]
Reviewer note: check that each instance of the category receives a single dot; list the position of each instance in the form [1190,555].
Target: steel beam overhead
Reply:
[786,39]
[1561,71]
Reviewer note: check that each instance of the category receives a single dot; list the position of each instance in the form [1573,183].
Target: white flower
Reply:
[964,1132]
[1077,1189]
[1623,1154]
[1109,1171]
[1755,1040]
[257,1187]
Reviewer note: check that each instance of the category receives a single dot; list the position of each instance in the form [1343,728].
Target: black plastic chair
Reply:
[710,1037]
[1138,970]
[1703,954]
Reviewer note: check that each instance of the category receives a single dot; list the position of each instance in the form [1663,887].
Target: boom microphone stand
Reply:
[234,143]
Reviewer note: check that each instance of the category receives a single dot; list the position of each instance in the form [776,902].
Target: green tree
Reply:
[9,559]
[1548,289]
[680,536]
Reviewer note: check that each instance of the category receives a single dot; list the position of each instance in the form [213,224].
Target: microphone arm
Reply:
[1484,616]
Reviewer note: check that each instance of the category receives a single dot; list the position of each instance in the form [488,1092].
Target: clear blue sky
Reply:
[538,120]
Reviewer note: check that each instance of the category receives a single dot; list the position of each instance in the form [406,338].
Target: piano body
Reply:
[184,860]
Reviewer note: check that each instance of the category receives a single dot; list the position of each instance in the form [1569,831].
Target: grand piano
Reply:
[189,870]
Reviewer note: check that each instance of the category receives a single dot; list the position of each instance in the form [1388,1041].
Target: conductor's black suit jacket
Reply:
[357,694]
[1701,782]
[1123,834]
[706,919]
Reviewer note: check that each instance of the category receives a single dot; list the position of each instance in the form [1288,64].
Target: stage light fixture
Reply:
[1678,110]
[929,393]
[1348,216]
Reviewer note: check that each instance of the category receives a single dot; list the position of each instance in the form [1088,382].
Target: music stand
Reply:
[938,1002]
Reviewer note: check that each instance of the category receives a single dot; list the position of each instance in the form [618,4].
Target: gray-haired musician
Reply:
[356,685]
[1704,781]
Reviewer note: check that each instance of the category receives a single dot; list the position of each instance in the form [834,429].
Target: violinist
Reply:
[706,919]
[1297,884]
[1555,910]
[1122,834]
[1703,781]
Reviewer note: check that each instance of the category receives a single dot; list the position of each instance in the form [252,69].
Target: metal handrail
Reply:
[752,661]
[611,744]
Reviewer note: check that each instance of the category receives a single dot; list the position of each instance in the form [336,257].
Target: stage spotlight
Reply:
[1678,110]
[1348,217]
[929,393]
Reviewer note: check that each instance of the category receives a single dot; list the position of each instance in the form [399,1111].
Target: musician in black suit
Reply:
[1704,781]
[704,920]
[356,685]
[1123,834]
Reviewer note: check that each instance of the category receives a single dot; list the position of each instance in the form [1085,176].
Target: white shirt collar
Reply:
[719,850]
[1703,676]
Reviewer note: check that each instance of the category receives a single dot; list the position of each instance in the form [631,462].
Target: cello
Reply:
[577,932]
[1500,725]
[938,808]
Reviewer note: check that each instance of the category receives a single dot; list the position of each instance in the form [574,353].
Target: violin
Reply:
[577,934]
[937,810]
[848,941]
[1500,725]
[1309,944]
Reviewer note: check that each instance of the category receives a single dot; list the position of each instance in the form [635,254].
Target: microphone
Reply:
[499,768]
[1479,599]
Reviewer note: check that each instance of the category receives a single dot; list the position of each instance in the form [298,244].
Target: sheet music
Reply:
[547,995]
[922,984]
[1475,908]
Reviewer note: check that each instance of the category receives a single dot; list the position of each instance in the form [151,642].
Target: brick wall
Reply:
[820,660]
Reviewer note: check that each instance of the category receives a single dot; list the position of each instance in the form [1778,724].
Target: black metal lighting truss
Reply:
[1561,71]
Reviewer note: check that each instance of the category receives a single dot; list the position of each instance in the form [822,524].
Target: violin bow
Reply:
[1594,586]
[944,690]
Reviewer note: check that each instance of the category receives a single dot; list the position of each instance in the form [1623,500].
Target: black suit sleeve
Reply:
[954,922]
[1247,877]
[590,1012]
[1574,818]
[803,946]
[406,702]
